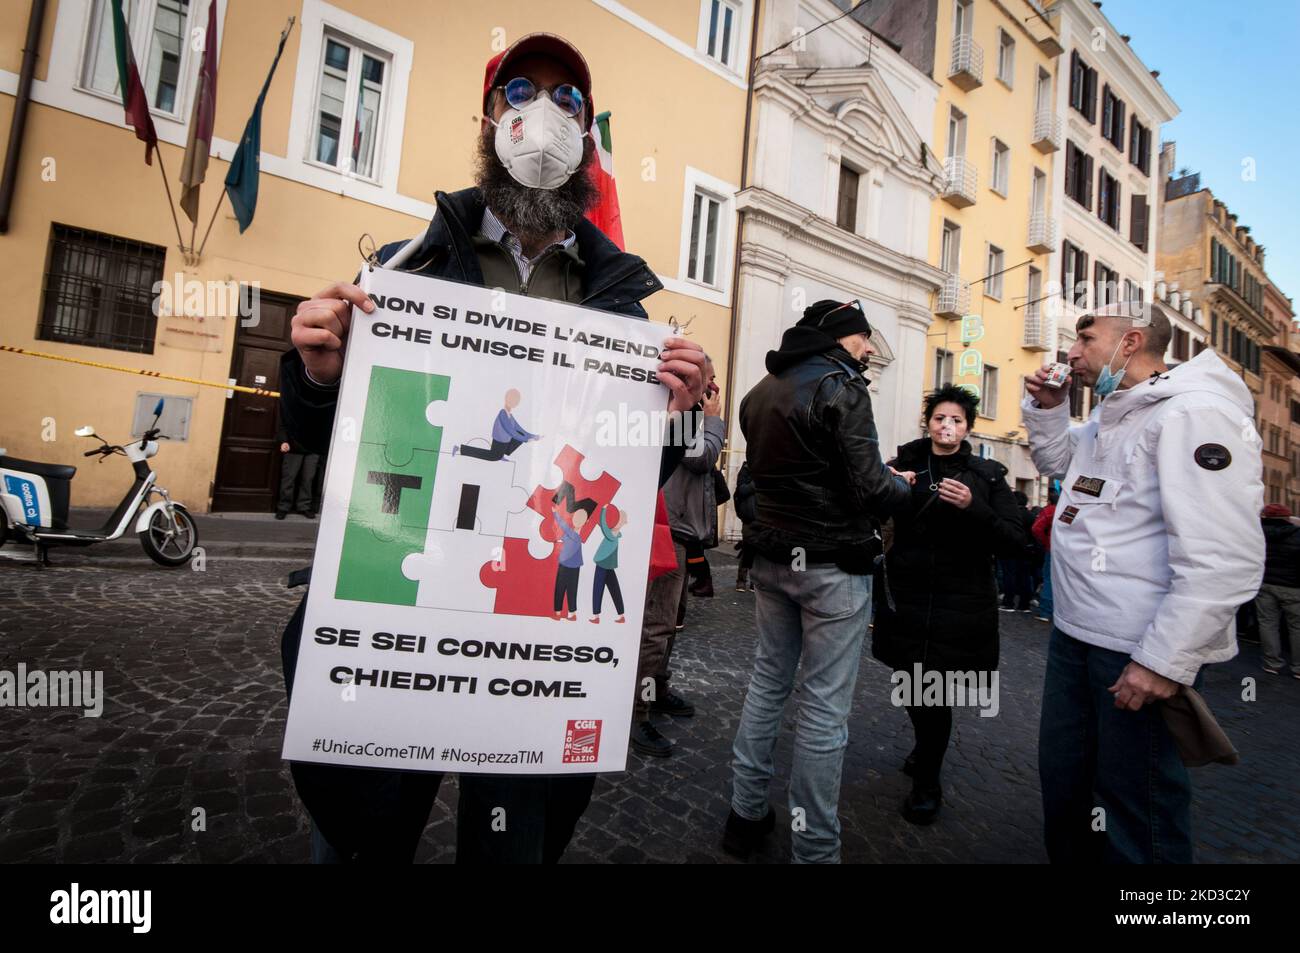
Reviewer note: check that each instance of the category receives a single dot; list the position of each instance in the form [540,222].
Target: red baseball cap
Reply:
[542,44]
[1275,511]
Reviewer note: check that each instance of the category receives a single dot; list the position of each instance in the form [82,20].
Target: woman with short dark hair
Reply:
[939,573]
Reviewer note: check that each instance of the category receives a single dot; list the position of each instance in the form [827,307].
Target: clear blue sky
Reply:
[1231,68]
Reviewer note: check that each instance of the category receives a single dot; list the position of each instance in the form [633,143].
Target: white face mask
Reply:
[539,145]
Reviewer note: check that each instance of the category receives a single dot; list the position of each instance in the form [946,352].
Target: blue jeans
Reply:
[818,616]
[1093,755]
[1045,594]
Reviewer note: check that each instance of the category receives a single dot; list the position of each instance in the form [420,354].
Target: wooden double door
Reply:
[248,463]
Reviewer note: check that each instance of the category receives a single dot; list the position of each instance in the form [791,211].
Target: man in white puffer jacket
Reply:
[1155,543]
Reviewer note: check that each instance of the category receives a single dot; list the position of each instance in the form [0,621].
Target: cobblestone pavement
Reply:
[196,709]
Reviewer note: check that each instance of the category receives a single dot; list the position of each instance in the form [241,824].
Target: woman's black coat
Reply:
[940,566]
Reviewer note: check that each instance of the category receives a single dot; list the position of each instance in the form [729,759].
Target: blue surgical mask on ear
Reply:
[1108,380]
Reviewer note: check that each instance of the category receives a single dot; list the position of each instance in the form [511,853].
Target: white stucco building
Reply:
[837,205]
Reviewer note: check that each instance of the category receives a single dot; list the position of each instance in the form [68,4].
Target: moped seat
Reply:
[54,471]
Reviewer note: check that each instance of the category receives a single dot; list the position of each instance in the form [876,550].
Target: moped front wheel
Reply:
[170,540]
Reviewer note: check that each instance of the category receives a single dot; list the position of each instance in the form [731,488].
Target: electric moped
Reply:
[34,501]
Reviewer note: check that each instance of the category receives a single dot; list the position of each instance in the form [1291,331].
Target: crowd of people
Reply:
[1148,543]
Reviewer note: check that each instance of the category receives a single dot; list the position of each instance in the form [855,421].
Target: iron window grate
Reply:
[99,290]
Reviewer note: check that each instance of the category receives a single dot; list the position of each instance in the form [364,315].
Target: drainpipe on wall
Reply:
[740,216]
[23,98]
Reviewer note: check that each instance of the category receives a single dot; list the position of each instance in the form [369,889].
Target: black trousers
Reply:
[566,584]
[378,816]
[298,483]
[1016,582]
[497,451]
[932,725]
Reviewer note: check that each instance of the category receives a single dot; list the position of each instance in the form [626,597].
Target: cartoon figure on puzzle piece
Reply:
[524,577]
[606,565]
[569,565]
[507,435]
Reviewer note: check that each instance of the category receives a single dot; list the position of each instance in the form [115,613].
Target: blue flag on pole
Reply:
[241,180]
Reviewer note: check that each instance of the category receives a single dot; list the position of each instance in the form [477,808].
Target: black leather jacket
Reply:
[1282,553]
[820,482]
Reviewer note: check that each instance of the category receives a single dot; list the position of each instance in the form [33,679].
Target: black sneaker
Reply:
[310,514]
[669,702]
[741,835]
[921,806]
[647,739]
[280,514]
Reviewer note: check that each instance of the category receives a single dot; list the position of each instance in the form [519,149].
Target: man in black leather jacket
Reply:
[821,489]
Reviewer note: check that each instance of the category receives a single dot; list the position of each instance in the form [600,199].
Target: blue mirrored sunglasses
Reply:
[521,91]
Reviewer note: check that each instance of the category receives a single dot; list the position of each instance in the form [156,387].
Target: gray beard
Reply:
[533,213]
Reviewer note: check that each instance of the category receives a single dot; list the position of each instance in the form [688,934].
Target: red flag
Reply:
[128,78]
[194,168]
[605,214]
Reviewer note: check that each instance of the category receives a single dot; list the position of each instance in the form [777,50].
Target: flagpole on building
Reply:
[220,198]
[170,204]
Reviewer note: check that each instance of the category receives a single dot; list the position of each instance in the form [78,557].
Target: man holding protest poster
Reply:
[521,230]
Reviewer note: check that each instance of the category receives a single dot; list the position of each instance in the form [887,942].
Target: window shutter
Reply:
[1071,157]
[1138,225]
[1087,182]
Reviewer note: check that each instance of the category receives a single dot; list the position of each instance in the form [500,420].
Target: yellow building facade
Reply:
[89,226]
[992,228]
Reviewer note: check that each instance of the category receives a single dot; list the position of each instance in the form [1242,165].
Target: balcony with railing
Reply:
[1047,131]
[959,181]
[954,297]
[967,68]
[1042,233]
[1038,328]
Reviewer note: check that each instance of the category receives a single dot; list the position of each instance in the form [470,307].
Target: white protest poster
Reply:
[494,456]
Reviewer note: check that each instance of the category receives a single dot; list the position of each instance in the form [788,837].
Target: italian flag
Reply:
[605,214]
[128,79]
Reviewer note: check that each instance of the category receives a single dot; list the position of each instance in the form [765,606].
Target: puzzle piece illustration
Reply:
[524,585]
[602,490]
[398,413]
[524,578]
[527,525]
[392,486]
[385,500]
[475,494]
[447,572]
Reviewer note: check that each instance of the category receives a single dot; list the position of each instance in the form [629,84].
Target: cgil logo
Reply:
[103,906]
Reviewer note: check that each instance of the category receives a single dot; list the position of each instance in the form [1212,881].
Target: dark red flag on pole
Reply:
[128,77]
